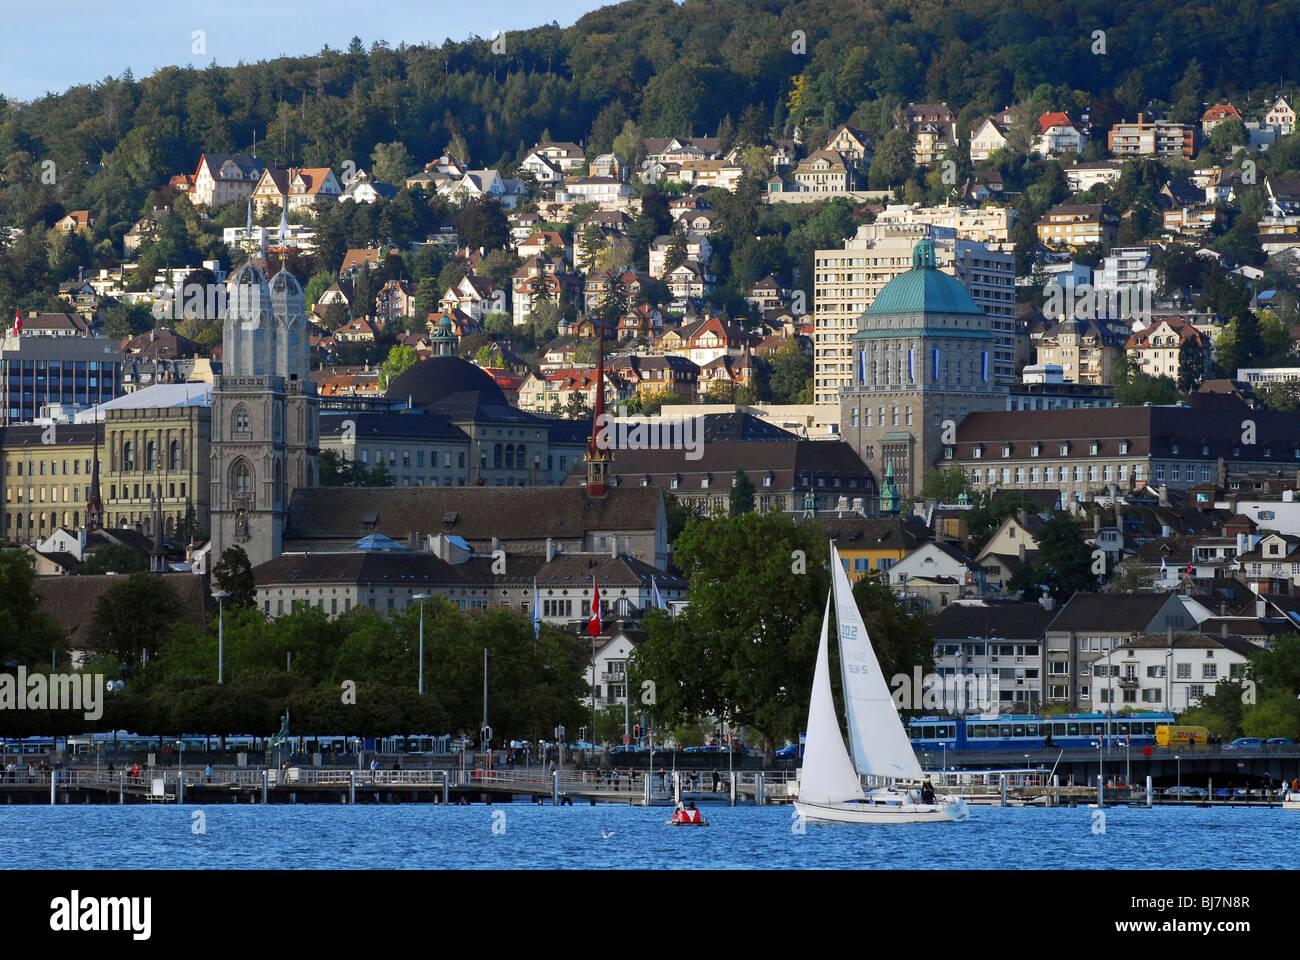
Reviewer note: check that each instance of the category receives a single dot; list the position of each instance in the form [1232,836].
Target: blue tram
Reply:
[1031,732]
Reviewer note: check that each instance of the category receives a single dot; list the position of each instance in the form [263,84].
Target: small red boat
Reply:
[687,817]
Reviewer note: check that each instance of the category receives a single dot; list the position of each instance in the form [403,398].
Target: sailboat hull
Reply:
[868,812]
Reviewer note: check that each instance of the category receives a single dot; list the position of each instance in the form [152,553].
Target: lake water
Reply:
[525,836]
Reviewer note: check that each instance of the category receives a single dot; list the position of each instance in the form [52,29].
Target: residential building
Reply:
[1154,138]
[935,575]
[998,644]
[824,172]
[870,546]
[988,138]
[223,178]
[1059,134]
[1083,176]
[1090,630]
[1086,351]
[988,225]
[933,129]
[418,449]
[1217,114]
[301,189]
[1159,347]
[1078,225]
[1282,116]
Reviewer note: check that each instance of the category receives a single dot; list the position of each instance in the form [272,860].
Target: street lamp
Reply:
[421,597]
[220,595]
[1179,760]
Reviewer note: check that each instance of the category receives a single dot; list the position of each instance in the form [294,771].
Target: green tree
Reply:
[1064,562]
[391,163]
[744,647]
[234,574]
[27,633]
[400,359]
[791,373]
[114,558]
[483,224]
[133,617]
[742,494]
[946,486]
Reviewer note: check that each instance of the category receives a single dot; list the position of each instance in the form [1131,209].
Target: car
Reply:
[626,748]
[1245,743]
[788,753]
[1279,741]
[1197,792]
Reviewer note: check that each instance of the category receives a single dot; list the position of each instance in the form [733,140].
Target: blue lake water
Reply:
[526,836]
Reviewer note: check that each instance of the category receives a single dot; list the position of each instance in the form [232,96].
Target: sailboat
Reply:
[830,781]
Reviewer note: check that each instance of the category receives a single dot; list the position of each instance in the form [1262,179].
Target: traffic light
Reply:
[636,730]
[582,733]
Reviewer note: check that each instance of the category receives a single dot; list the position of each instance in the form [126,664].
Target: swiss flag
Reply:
[18,323]
[593,626]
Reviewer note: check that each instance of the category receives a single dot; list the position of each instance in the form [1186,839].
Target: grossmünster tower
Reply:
[265,419]
[923,355]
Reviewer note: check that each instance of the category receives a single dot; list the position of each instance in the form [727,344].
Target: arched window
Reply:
[174,455]
[171,527]
[241,478]
[276,421]
[76,519]
[241,420]
[279,480]
[519,457]
[496,456]
[128,455]
[151,455]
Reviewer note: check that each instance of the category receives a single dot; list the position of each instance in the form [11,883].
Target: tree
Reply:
[114,558]
[675,256]
[133,617]
[1131,576]
[234,574]
[483,224]
[391,163]
[1064,563]
[400,359]
[1282,395]
[893,162]
[27,633]
[791,372]
[744,647]
[1228,134]
[945,486]
[742,494]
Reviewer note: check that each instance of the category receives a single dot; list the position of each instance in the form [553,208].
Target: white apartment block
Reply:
[847,281]
[989,225]
[1125,268]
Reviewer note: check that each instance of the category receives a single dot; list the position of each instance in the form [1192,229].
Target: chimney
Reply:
[1169,634]
[1047,602]
[1096,521]
[1164,495]
[841,505]
[1022,551]
[613,546]
[1223,609]
[1164,531]
[1241,544]
[858,507]
[550,549]
[1223,630]
[496,544]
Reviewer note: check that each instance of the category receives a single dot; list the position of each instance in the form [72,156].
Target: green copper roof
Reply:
[926,332]
[923,289]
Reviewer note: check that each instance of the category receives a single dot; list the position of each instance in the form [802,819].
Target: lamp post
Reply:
[1179,760]
[220,596]
[1169,663]
[421,597]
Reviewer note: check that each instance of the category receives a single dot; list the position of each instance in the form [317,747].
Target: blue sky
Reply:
[48,46]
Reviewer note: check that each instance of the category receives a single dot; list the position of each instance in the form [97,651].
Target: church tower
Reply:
[265,419]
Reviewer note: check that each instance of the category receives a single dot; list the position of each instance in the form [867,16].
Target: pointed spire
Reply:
[94,506]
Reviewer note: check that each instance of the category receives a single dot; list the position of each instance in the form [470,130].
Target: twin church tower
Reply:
[265,418]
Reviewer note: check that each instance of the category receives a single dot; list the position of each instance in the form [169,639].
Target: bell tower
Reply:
[600,456]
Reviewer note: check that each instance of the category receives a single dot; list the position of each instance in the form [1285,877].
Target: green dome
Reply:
[923,289]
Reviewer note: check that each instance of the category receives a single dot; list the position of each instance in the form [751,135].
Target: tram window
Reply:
[1122,728]
[1099,728]
[914,733]
[1019,730]
[1006,729]
[1072,729]
[975,730]
[950,732]
[1031,730]
[1149,729]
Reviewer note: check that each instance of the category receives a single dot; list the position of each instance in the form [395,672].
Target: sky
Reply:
[47,46]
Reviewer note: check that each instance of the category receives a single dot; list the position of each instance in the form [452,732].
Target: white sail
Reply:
[879,741]
[827,775]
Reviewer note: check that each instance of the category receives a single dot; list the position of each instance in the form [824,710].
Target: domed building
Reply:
[447,422]
[922,362]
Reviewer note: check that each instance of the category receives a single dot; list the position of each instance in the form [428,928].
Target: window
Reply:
[128,456]
[241,480]
[1183,671]
[241,420]
[1209,671]
[174,455]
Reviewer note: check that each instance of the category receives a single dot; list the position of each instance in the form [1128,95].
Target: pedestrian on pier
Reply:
[717,781]
[207,773]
